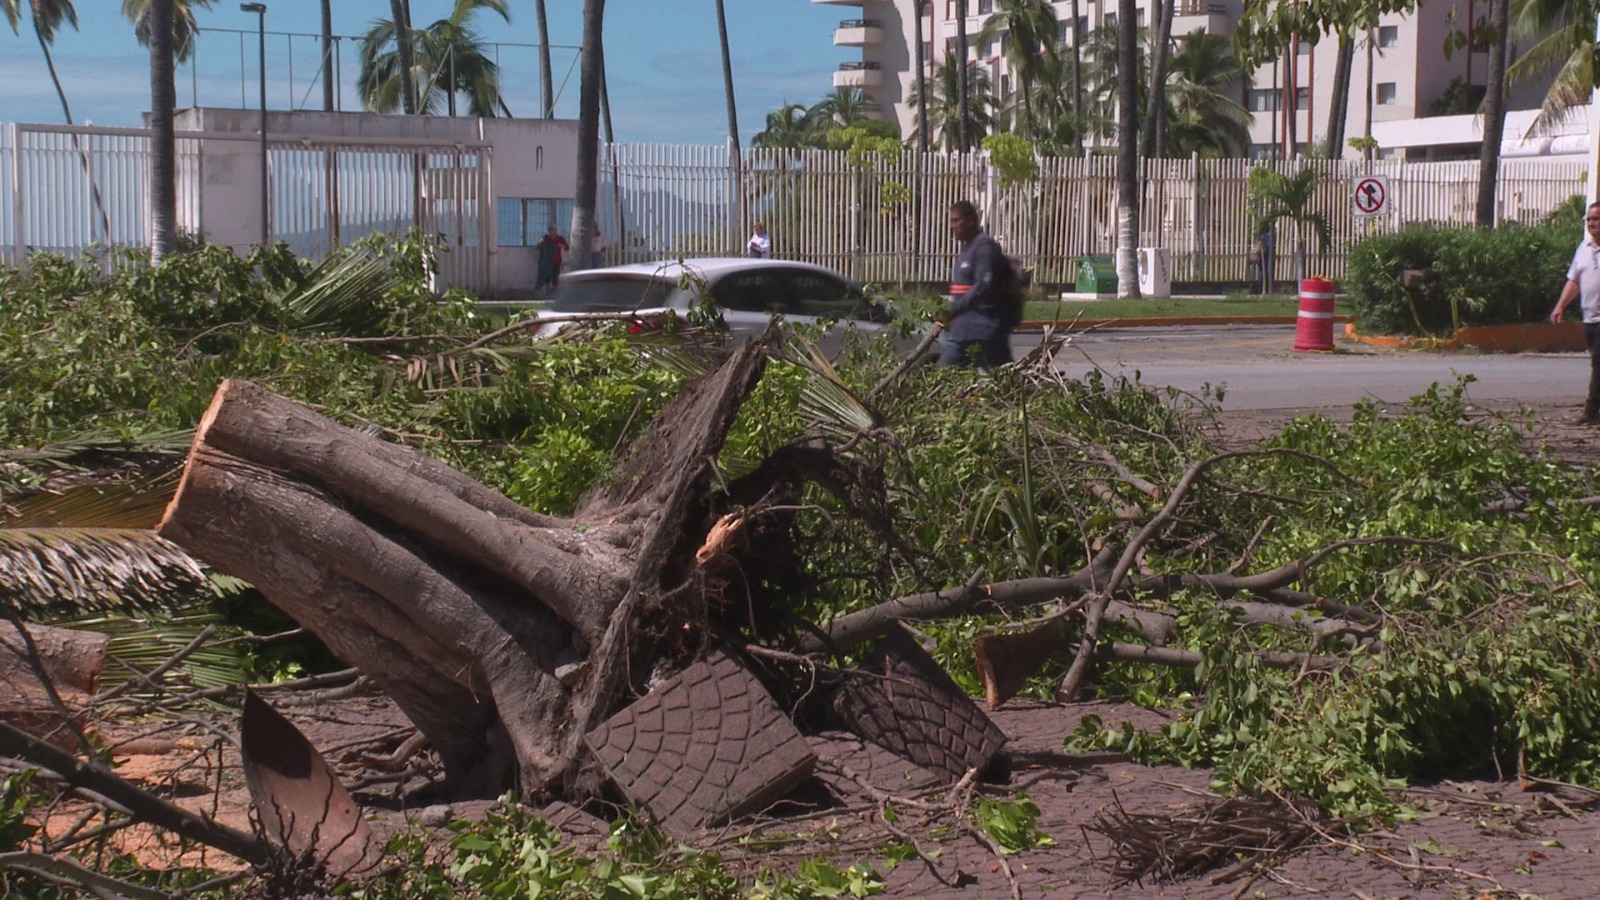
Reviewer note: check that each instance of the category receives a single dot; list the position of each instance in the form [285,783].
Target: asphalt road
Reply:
[1261,371]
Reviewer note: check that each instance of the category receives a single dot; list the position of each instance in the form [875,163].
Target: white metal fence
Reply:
[888,222]
[84,190]
[74,190]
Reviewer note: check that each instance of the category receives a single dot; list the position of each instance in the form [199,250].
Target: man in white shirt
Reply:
[1583,284]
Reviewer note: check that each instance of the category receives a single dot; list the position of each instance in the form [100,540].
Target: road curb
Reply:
[1074,325]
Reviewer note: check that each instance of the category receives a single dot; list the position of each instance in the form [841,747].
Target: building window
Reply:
[1140,18]
[1264,151]
[1388,36]
[1304,49]
[522,221]
[985,7]
[1302,97]
[1263,99]
[927,51]
[1386,93]
[1110,20]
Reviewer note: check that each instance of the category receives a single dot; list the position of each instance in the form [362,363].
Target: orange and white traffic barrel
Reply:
[1314,327]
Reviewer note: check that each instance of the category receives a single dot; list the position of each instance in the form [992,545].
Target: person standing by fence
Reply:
[551,249]
[760,243]
[1583,285]
[981,282]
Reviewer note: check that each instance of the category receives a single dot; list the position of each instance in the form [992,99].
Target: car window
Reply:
[755,290]
[611,293]
[821,295]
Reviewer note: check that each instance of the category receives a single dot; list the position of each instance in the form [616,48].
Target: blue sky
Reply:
[664,62]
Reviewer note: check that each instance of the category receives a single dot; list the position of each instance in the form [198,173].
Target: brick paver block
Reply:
[706,746]
[904,702]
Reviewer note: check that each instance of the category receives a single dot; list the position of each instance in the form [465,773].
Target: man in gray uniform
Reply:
[981,306]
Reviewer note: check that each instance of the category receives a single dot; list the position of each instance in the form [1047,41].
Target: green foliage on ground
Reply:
[1509,274]
[1486,618]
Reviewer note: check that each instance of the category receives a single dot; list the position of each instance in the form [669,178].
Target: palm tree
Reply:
[1127,152]
[400,31]
[183,23]
[945,105]
[1276,197]
[1077,83]
[1494,111]
[1563,32]
[449,52]
[1155,122]
[547,97]
[1103,49]
[586,198]
[841,108]
[1030,50]
[921,100]
[48,16]
[163,143]
[963,82]
[1203,116]
[789,127]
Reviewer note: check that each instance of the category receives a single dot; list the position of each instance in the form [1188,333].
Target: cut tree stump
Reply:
[459,603]
[69,659]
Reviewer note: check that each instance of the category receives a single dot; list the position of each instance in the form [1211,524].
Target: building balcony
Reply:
[1207,14]
[858,33]
[842,2]
[858,75]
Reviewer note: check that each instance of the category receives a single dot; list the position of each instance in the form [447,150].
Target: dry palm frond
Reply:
[90,548]
[90,569]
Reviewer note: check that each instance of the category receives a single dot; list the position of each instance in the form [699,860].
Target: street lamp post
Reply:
[260,9]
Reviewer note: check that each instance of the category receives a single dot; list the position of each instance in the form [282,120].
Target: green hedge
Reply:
[1513,273]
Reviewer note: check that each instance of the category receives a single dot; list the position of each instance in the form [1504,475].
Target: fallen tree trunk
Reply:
[504,635]
[45,659]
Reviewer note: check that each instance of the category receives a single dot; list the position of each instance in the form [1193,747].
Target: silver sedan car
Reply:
[748,293]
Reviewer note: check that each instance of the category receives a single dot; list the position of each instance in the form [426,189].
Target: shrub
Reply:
[1513,273]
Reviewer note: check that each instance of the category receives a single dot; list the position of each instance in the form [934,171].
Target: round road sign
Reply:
[1372,196]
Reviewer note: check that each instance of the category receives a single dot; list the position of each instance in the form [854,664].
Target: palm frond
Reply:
[341,290]
[90,569]
[124,504]
[826,402]
[140,644]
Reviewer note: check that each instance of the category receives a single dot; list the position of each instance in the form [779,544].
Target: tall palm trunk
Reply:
[1077,83]
[547,97]
[163,99]
[588,187]
[922,76]
[1127,150]
[329,102]
[402,47]
[1339,106]
[1494,112]
[1155,115]
[83,157]
[961,58]
[735,166]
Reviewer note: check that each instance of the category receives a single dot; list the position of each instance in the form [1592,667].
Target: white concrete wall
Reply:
[530,158]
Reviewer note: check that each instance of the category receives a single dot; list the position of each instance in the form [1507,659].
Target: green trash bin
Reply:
[1096,275]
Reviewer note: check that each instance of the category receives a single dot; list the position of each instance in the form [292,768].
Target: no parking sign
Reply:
[1371,197]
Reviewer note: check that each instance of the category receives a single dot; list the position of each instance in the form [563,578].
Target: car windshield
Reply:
[611,293]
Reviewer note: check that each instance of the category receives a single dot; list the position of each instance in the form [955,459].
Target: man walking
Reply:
[1583,284]
[982,307]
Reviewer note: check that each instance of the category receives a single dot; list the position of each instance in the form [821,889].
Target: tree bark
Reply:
[163,142]
[62,660]
[1339,106]
[1155,115]
[1494,113]
[1127,151]
[504,635]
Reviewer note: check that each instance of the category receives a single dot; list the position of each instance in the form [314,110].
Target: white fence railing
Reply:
[888,222]
[75,190]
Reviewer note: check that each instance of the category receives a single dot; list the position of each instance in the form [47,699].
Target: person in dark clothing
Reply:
[980,318]
[551,251]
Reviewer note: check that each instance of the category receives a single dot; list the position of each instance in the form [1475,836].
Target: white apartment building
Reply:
[1401,65]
